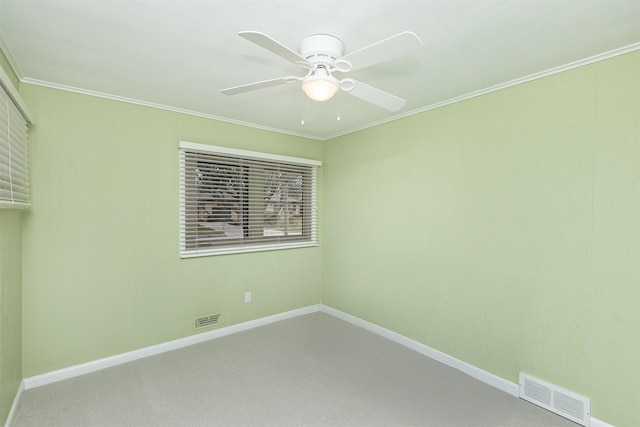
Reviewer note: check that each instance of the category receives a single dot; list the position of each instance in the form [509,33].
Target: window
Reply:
[14,189]
[241,201]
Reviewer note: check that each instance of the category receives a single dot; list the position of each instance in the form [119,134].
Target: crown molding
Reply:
[560,69]
[556,70]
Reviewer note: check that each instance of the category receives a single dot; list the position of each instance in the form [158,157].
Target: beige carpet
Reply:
[313,370]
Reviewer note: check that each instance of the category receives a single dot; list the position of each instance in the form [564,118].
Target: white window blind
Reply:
[240,201]
[14,188]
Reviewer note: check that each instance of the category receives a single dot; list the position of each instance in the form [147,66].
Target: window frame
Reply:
[244,245]
[14,175]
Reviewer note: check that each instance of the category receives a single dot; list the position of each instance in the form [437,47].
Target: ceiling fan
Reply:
[322,55]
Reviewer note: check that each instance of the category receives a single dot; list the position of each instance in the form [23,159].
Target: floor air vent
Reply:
[562,402]
[210,320]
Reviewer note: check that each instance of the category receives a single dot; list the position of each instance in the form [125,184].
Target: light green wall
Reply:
[10,295]
[506,234]
[10,309]
[503,230]
[102,275]
[4,63]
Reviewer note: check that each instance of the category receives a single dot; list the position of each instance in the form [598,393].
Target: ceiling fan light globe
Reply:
[320,88]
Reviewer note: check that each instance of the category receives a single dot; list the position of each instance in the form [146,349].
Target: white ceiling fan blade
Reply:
[272,45]
[375,96]
[394,47]
[259,85]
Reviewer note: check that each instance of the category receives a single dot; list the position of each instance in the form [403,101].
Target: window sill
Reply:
[244,249]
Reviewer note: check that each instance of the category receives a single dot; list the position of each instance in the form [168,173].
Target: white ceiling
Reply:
[179,54]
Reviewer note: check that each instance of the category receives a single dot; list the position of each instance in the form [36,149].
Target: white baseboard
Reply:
[599,423]
[477,373]
[74,371]
[14,406]
[96,365]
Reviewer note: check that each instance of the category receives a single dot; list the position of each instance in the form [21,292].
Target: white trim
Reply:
[12,62]
[133,101]
[4,204]
[97,365]
[599,423]
[14,406]
[477,373]
[314,205]
[586,61]
[562,68]
[472,371]
[205,148]
[6,83]
[196,150]
[85,368]
[186,253]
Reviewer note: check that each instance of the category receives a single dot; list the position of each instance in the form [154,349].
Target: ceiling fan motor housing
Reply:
[321,49]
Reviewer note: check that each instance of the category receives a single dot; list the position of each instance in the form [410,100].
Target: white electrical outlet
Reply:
[247,297]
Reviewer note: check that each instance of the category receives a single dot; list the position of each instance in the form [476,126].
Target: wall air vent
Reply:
[206,321]
[562,402]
